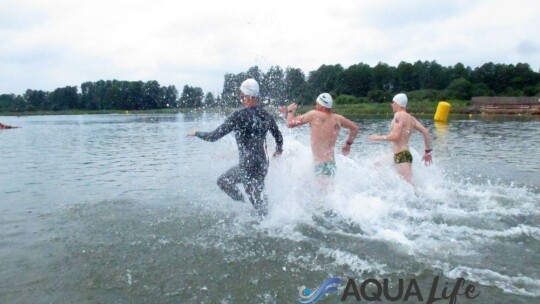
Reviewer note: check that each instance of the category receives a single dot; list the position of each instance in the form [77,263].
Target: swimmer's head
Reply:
[250,87]
[401,100]
[325,100]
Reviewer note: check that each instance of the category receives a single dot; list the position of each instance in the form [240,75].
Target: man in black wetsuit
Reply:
[250,126]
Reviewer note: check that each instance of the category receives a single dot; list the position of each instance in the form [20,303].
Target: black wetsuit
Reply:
[250,126]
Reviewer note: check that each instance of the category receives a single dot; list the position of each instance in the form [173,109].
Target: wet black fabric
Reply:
[250,126]
[253,185]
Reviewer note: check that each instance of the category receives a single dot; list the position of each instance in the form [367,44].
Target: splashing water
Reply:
[129,211]
[461,228]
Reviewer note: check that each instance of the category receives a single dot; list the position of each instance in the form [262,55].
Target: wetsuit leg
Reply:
[228,180]
[255,191]
[254,186]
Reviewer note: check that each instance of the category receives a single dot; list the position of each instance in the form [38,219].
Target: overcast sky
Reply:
[47,44]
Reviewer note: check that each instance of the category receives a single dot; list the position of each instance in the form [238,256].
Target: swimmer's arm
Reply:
[353,128]
[397,127]
[427,142]
[226,128]
[353,132]
[296,121]
[425,133]
[274,130]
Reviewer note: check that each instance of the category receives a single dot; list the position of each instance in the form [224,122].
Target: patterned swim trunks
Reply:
[403,157]
[327,168]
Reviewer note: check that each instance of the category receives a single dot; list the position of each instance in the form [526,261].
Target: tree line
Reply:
[423,80]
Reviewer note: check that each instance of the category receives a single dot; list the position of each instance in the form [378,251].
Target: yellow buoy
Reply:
[443,109]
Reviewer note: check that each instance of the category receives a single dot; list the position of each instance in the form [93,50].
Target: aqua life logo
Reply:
[306,295]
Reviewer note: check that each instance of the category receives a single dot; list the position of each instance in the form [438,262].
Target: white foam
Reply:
[442,218]
[357,265]
[520,285]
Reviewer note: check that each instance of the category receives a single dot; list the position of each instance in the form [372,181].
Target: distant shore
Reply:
[460,108]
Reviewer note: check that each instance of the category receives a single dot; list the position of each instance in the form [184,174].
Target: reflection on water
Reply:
[125,208]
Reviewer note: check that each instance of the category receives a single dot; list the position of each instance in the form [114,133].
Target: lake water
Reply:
[125,209]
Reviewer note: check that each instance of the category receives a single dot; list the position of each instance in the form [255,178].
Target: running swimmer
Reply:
[250,126]
[325,127]
[402,127]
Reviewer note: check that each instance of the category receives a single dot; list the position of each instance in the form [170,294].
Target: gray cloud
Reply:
[50,44]
[16,17]
[391,14]
[526,47]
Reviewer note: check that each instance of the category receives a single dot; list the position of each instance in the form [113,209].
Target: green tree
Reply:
[435,76]
[136,95]
[481,89]
[19,104]
[459,71]
[523,77]
[36,100]
[384,77]
[272,86]
[170,97]
[114,96]
[510,91]
[89,97]
[255,73]
[357,80]
[405,75]
[152,95]
[209,100]
[417,77]
[493,76]
[191,97]
[325,79]
[230,97]
[532,90]
[295,85]
[64,98]
[123,101]
[103,88]
[460,88]
[8,102]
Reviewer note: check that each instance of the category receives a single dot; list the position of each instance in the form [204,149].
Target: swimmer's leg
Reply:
[405,170]
[255,190]
[228,180]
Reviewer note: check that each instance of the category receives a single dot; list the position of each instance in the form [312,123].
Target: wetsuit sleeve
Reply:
[274,130]
[225,128]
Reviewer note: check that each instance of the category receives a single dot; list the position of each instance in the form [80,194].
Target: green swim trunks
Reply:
[328,168]
[403,157]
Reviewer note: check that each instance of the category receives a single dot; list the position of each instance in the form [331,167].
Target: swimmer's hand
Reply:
[427,159]
[276,154]
[192,133]
[292,107]
[346,149]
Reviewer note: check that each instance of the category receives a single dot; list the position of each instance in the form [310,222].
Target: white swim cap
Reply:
[325,100]
[401,100]
[250,87]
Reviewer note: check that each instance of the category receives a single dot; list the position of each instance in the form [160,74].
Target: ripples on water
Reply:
[124,208]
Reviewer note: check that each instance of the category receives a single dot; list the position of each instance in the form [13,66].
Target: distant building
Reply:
[507,105]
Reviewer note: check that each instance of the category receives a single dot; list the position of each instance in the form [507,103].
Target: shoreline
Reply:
[459,110]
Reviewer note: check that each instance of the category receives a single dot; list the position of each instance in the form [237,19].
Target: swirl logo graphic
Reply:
[305,295]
